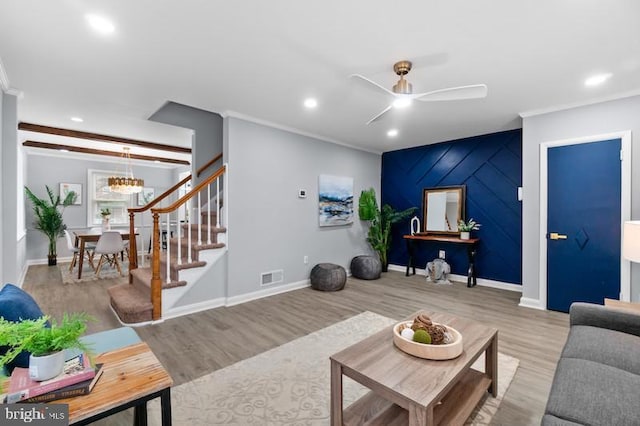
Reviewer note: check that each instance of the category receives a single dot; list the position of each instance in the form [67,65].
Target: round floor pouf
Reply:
[366,267]
[328,277]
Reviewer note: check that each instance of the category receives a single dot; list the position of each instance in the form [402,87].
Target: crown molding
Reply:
[564,107]
[267,123]
[4,78]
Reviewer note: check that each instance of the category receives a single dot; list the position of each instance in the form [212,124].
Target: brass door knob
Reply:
[556,236]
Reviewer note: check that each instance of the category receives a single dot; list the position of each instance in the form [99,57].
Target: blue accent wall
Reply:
[491,168]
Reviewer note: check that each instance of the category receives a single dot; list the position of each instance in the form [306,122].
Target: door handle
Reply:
[556,236]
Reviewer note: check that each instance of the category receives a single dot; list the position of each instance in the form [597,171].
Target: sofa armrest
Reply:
[599,316]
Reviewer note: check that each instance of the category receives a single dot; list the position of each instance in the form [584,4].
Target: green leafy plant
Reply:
[379,235]
[49,216]
[468,226]
[105,212]
[36,337]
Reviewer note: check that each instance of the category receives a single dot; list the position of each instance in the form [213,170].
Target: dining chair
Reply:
[88,251]
[109,248]
[125,244]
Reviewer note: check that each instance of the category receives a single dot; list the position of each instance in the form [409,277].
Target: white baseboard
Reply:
[247,297]
[193,308]
[46,261]
[23,275]
[462,278]
[527,302]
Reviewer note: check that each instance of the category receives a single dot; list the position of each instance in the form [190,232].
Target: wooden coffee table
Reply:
[132,376]
[410,390]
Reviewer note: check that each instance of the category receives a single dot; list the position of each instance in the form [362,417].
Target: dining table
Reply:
[84,236]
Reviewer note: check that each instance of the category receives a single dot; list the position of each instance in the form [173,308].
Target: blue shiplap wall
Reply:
[491,168]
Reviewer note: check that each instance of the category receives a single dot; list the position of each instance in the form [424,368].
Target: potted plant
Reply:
[49,217]
[465,228]
[45,343]
[379,235]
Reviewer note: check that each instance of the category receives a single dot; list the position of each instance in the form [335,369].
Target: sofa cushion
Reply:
[596,394]
[604,346]
[15,305]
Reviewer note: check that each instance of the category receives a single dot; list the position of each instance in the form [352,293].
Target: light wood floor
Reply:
[192,346]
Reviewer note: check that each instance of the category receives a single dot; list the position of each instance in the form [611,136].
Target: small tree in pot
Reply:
[49,217]
[379,235]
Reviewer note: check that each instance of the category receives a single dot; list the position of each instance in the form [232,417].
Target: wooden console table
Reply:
[132,376]
[471,244]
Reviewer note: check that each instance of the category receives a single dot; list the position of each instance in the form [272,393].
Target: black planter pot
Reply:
[53,260]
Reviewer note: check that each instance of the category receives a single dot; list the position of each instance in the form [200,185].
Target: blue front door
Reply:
[583,227]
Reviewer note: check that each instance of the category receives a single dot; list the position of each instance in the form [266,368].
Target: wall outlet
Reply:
[306,260]
[441,254]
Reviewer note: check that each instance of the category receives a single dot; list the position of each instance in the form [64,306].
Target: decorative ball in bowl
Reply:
[425,339]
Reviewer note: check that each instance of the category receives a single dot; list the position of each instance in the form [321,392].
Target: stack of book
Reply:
[78,377]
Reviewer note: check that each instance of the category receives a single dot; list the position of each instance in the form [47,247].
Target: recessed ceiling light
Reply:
[157,161]
[100,24]
[597,79]
[64,150]
[310,103]
[77,119]
[402,102]
[392,133]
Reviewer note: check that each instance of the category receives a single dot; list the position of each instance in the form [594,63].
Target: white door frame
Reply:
[625,206]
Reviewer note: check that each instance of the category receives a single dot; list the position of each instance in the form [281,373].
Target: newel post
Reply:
[133,249]
[156,284]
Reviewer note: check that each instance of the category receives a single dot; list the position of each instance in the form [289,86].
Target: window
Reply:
[99,197]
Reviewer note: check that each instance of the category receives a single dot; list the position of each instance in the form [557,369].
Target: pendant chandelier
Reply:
[126,184]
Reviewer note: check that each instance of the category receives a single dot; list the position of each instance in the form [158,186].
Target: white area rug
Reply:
[289,385]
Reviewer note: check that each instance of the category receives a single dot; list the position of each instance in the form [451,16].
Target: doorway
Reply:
[585,198]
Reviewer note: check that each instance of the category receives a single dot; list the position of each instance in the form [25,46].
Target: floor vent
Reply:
[271,277]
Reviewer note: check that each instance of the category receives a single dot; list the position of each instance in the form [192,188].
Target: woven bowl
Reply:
[420,350]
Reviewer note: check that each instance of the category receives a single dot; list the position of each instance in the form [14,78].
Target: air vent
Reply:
[271,277]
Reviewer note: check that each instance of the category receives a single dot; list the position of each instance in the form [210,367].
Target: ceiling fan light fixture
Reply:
[402,102]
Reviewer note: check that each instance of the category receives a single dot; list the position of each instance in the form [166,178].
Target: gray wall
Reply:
[606,117]
[270,228]
[207,138]
[46,170]
[2,203]
[12,240]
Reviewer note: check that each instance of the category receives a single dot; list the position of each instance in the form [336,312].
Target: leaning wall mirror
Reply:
[442,208]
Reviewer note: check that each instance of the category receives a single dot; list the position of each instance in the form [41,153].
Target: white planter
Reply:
[105,224]
[46,367]
[465,235]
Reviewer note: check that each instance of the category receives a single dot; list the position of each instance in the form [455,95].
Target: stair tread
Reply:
[129,299]
[144,276]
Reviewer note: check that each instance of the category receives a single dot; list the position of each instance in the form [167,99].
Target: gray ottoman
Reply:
[328,277]
[366,267]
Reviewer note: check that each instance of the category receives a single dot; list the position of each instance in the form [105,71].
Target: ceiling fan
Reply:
[403,91]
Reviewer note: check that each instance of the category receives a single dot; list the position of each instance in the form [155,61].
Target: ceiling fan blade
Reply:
[389,92]
[379,115]
[473,91]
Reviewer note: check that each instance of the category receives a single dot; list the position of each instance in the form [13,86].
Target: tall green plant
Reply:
[379,235]
[49,216]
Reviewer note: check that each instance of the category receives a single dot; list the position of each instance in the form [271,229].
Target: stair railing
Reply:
[184,205]
[133,246]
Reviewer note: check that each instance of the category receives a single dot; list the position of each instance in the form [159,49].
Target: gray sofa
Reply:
[597,381]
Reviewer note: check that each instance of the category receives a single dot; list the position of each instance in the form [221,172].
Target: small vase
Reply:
[46,367]
[52,259]
[105,223]
[465,235]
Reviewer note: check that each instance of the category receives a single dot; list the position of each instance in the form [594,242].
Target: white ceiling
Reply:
[261,59]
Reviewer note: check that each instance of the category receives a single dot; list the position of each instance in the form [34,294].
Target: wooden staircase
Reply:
[140,301]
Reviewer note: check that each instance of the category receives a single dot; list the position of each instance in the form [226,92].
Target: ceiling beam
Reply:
[71,148]
[38,128]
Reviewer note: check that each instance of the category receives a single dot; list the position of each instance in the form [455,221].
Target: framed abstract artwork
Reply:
[335,204]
